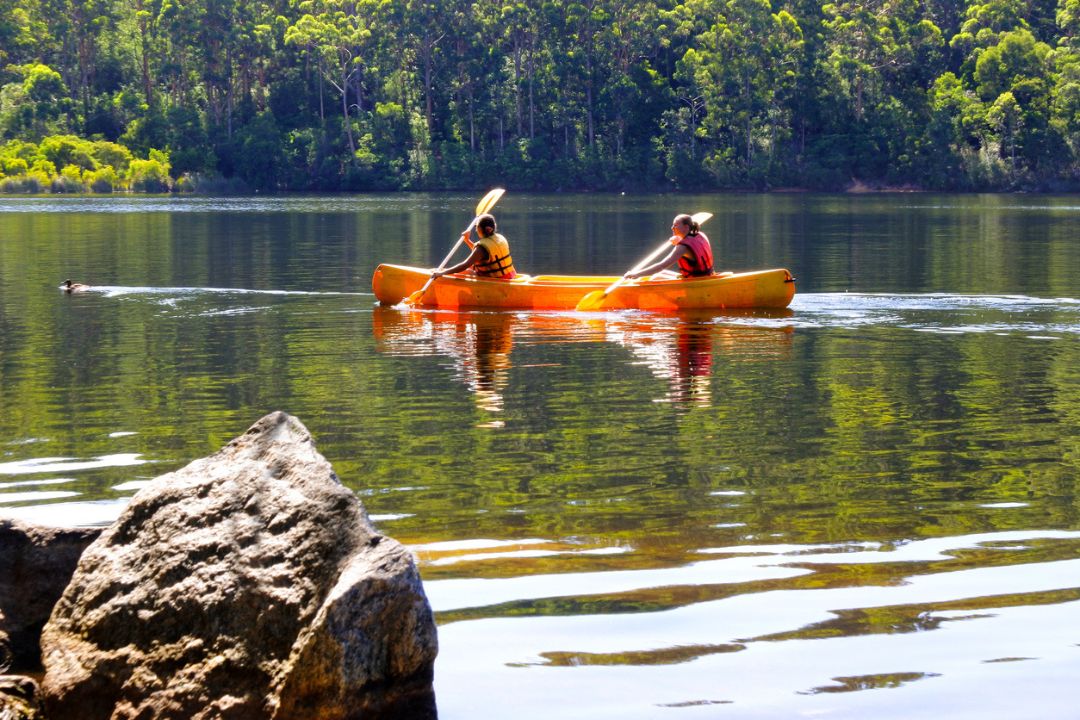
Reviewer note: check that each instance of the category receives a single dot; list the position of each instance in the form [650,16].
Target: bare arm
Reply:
[478,254]
[676,252]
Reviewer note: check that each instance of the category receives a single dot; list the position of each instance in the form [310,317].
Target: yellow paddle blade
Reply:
[488,201]
[415,297]
[700,217]
[591,301]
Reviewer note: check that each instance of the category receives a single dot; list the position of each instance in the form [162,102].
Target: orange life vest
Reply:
[499,264]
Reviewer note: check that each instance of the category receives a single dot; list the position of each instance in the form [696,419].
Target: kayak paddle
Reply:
[486,203]
[593,300]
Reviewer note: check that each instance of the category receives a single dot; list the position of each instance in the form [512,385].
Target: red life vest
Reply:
[702,261]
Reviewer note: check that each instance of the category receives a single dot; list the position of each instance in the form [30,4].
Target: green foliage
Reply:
[259,159]
[608,94]
[34,103]
[95,166]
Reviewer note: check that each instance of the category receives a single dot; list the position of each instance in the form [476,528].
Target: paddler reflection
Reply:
[682,348]
[478,342]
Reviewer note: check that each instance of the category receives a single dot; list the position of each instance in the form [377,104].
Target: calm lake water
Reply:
[864,507]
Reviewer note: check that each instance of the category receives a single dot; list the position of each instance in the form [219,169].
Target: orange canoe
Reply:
[746,290]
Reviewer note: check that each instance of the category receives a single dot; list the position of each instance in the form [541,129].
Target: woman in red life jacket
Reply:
[490,256]
[691,249]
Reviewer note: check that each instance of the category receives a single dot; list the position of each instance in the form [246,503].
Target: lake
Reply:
[863,507]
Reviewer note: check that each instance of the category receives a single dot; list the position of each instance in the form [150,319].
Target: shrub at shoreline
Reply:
[66,164]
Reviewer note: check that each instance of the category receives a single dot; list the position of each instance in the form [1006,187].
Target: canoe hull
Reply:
[760,289]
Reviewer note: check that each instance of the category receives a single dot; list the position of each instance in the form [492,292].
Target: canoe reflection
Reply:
[679,348]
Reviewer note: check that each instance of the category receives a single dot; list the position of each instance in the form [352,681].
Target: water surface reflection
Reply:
[863,508]
[677,348]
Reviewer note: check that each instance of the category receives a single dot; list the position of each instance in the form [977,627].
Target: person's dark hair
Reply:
[688,221]
[486,224]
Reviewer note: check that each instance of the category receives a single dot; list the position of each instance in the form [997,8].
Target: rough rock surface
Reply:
[249,584]
[36,563]
[18,698]
[5,646]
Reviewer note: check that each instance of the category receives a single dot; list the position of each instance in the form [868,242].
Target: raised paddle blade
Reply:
[488,201]
[700,217]
[591,301]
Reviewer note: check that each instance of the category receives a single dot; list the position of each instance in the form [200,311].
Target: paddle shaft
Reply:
[449,255]
[652,256]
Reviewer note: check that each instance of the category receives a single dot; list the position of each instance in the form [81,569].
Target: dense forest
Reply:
[220,95]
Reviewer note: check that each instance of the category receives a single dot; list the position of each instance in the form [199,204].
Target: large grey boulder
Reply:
[36,563]
[249,584]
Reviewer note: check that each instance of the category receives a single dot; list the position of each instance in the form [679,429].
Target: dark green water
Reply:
[864,507]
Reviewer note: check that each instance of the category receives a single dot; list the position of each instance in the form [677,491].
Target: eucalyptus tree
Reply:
[477,54]
[9,29]
[337,34]
[581,22]
[35,104]
[423,35]
[523,27]
[681,124]
[956,133]
[75,26]
[744,66]
[144,18]
[1066,94]
[1013,78]
[879,48]
[627,44]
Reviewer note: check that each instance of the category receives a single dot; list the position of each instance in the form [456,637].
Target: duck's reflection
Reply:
[678,348]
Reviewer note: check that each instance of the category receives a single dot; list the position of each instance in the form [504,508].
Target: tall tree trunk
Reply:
[531,69]
[517,86]
[749,121]
[589,98]
[144,44]
[228,91]
[472,124]
[347,118]
[429,109]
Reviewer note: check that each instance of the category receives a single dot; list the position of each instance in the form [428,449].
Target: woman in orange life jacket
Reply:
[490,256]
[691,249]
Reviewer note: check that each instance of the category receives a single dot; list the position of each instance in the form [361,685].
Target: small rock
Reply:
[36,563]
[18,698]
[5,647]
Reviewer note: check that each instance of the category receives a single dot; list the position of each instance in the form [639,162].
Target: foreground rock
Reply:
[249,584]
[36,564]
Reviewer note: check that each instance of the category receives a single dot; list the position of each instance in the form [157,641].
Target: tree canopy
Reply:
[563,94]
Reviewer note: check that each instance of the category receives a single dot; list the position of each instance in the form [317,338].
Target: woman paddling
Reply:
[490,256]
[691,248]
